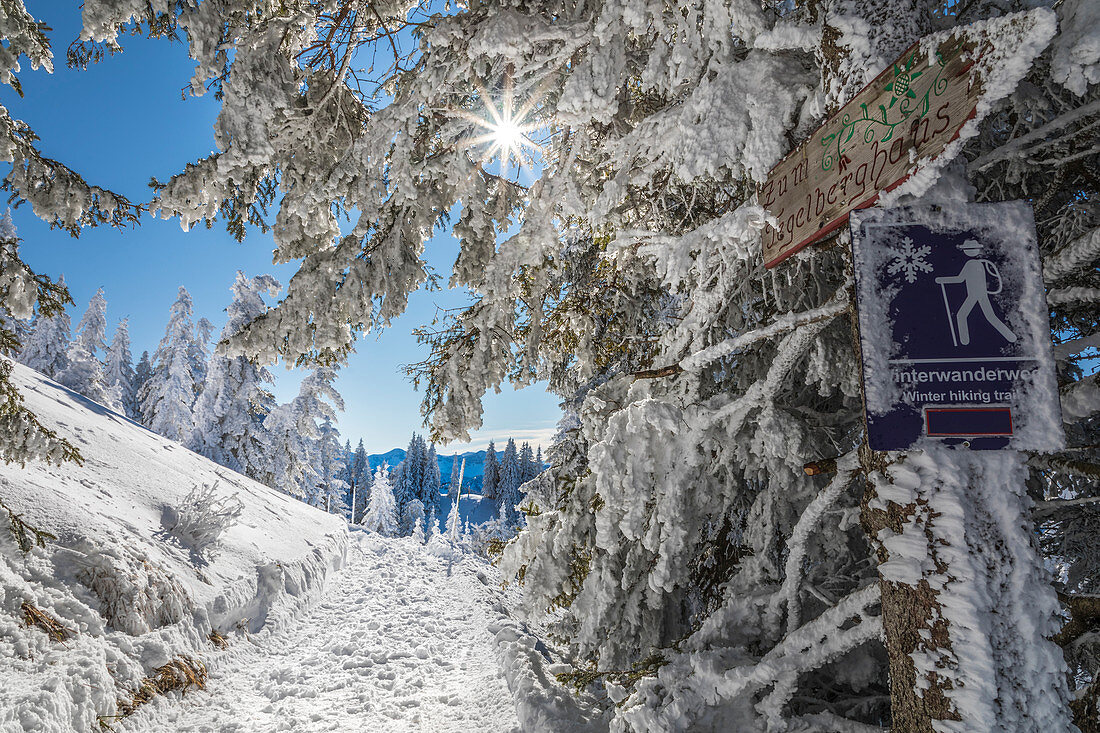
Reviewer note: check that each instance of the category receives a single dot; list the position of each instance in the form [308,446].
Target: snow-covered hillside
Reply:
[132,594]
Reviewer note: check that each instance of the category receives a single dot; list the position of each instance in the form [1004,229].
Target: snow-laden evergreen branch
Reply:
[1051,507]
[1081,399]
[836,306]
[1035,140]
[1064,296]
[1082,251]
[812,515]
[673,702]
[792,348]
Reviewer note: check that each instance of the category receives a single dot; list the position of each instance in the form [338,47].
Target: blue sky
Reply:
[124,120]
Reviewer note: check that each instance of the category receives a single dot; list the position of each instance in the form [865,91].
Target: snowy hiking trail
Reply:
[392,645]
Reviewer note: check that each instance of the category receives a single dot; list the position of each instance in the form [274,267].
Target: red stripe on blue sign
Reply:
[967,421]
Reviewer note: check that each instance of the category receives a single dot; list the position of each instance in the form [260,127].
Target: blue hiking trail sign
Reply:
[954,329]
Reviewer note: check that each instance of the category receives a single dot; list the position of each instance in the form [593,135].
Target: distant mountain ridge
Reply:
[475,463]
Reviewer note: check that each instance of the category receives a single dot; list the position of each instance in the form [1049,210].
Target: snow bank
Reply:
[541,703]
[133,595]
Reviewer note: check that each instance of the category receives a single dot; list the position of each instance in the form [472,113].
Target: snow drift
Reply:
[132,593]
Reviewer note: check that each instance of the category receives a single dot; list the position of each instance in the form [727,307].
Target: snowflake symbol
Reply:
[910,260]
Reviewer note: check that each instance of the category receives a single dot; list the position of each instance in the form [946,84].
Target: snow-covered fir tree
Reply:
[429,492]
[381,514]
[527,468]
[490,478]
[410,514]
[168,397]
[456,471]
[143,372]
[84,372]
[431,526]
[118,369]
[293,430]
[236,398]
[412,477]
[453,525]
[360,465]
[346,455]
[416,467]
[359,479]
[288,465]
[345,467]
[510,478]
[200,350]
[47,346]
[330,464]
[92,329]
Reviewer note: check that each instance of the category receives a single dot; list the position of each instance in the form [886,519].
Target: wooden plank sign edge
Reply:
[841,217]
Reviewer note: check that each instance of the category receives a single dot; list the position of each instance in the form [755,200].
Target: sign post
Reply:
[957,376]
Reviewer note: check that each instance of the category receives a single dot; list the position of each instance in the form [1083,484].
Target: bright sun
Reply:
[507,135]
[506,131]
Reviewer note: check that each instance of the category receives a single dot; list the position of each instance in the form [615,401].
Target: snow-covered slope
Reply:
[134,595]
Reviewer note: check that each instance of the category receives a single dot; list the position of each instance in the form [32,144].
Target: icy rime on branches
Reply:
[23,293]
[689,563]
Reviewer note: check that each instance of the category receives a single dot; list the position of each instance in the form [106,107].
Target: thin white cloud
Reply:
[534,436]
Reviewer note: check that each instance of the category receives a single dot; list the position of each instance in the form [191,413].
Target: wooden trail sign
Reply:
[896,124]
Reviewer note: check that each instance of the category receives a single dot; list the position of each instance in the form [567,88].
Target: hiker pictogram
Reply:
[975,276]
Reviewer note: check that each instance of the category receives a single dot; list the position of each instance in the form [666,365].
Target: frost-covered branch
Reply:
[1067,349]
[1038,137]
[816,646]
[812,644]
[674,701]
[1061,464]
[846,466]
[1063,296]
[1081,399]
[793,347]
[1050,507]
[836,306]
[1070,258]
